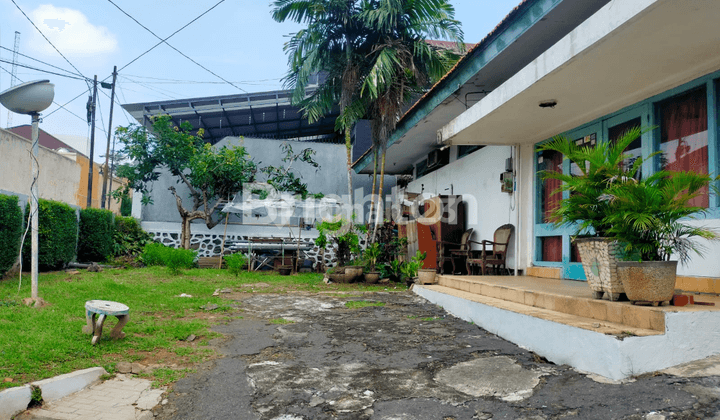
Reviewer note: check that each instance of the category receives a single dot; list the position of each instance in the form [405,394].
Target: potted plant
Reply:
[652,220]
[393,270]
[600,167]
[344,235]
[411,268]
[371,255]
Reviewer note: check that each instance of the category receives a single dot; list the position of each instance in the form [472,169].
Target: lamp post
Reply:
[30,98]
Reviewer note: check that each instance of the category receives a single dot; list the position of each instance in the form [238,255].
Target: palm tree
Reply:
[401,64]
[331,46]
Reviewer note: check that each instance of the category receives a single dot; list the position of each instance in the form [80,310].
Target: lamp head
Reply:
[29,98]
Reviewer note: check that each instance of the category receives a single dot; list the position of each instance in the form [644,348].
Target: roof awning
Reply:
[625,53]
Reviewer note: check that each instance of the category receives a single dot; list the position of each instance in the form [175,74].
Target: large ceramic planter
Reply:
[338,275]
[427,276]
[372,277]
[648,281]
[600,265]
[353,273]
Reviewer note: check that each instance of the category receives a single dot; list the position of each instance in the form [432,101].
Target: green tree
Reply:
[402,64]
[333,45]
[210,174]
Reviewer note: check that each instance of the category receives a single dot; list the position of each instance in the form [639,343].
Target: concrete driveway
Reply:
[309,356]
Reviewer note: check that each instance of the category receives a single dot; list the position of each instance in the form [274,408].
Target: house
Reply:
[588,70]
[77,194]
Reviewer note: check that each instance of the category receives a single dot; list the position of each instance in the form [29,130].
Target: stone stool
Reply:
[101,309]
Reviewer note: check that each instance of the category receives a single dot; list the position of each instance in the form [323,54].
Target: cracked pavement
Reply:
[408,359]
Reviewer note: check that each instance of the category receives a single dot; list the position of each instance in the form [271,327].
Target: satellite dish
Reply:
[29,98]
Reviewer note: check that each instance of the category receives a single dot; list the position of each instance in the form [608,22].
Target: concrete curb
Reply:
[15,400]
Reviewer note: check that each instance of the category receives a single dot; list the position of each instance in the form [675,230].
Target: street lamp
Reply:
[30,98]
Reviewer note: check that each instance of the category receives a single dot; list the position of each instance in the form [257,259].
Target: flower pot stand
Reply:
[599,262]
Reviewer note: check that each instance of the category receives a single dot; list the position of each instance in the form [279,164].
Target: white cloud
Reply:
[70,31]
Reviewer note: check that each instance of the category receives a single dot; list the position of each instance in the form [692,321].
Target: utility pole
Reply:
[106,174]
[91,111]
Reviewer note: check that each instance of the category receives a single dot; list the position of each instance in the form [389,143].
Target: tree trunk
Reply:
[185,232]
[372,192]
[380,192]
[348,146]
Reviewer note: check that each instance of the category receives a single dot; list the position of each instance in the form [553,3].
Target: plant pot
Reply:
[353,273]
[372,277]
[599,262]
[648,281]
[427,276]
[338,275]
[285,270]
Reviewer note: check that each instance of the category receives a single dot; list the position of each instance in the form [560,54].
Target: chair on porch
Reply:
[453,251]
[492,253]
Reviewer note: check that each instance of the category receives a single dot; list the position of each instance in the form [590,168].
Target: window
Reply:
[549,200]
[684,136]
[466,150]
[635,148]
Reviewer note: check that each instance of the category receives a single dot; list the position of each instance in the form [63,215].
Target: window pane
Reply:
[684,136]
[551,248]
[635,148]
[549,201]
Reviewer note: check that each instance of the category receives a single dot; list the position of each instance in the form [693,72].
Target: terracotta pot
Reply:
[338,275]
[648,281]
[427,276]
[600,266]
[372,277]
[353,273]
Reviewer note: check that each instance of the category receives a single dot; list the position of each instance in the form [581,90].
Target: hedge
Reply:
[95,241]
[11,223]
[57,235]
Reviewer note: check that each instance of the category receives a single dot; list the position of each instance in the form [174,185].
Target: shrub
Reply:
[236,262]
[95,241]
[154,254]
[177,258]
[10,232]
[174,259]
[129,238]
[57,235]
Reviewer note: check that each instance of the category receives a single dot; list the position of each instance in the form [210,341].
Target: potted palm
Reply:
[371,255]
[600,167]
[652,219]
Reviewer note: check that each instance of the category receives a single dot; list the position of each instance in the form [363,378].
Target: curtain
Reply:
[684,137]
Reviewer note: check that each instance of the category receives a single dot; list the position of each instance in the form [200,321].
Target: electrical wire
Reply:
[179,81]
[40,61]
[41,70]
[178,51]
[158,90]
[46,39]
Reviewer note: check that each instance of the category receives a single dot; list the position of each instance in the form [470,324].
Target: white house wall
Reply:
[477,178]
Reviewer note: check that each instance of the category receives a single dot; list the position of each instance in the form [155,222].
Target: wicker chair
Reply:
[492,253]
[453,251]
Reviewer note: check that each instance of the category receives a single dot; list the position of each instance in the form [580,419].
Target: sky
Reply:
[237,40]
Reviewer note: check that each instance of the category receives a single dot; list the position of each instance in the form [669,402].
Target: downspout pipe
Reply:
[518,201]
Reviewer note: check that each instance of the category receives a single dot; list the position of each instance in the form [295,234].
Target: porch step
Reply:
[565,301]
[599,326]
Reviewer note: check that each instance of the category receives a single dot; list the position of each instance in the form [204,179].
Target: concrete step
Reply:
[550,296]
[584,322]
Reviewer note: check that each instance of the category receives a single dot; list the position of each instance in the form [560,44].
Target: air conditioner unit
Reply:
[433,159]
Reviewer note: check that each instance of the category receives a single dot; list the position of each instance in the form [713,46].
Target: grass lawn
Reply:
[45,342]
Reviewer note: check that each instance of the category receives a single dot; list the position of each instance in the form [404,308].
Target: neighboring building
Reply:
[260,122]
[606,65]
[77,173]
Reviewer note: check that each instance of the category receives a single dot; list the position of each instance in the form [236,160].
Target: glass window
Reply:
[635,148]
[551,248]
[684,136]
[549,200]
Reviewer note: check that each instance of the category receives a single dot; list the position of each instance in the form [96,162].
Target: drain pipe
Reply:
[516,162]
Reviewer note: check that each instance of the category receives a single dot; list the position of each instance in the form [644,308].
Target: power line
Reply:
[46,39]
[42,62]
[41,70]
[180,81]
[178,51]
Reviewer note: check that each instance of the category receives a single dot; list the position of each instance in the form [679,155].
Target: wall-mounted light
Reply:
[548,104]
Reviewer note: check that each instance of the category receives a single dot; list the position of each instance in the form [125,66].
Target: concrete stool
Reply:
[100,309]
